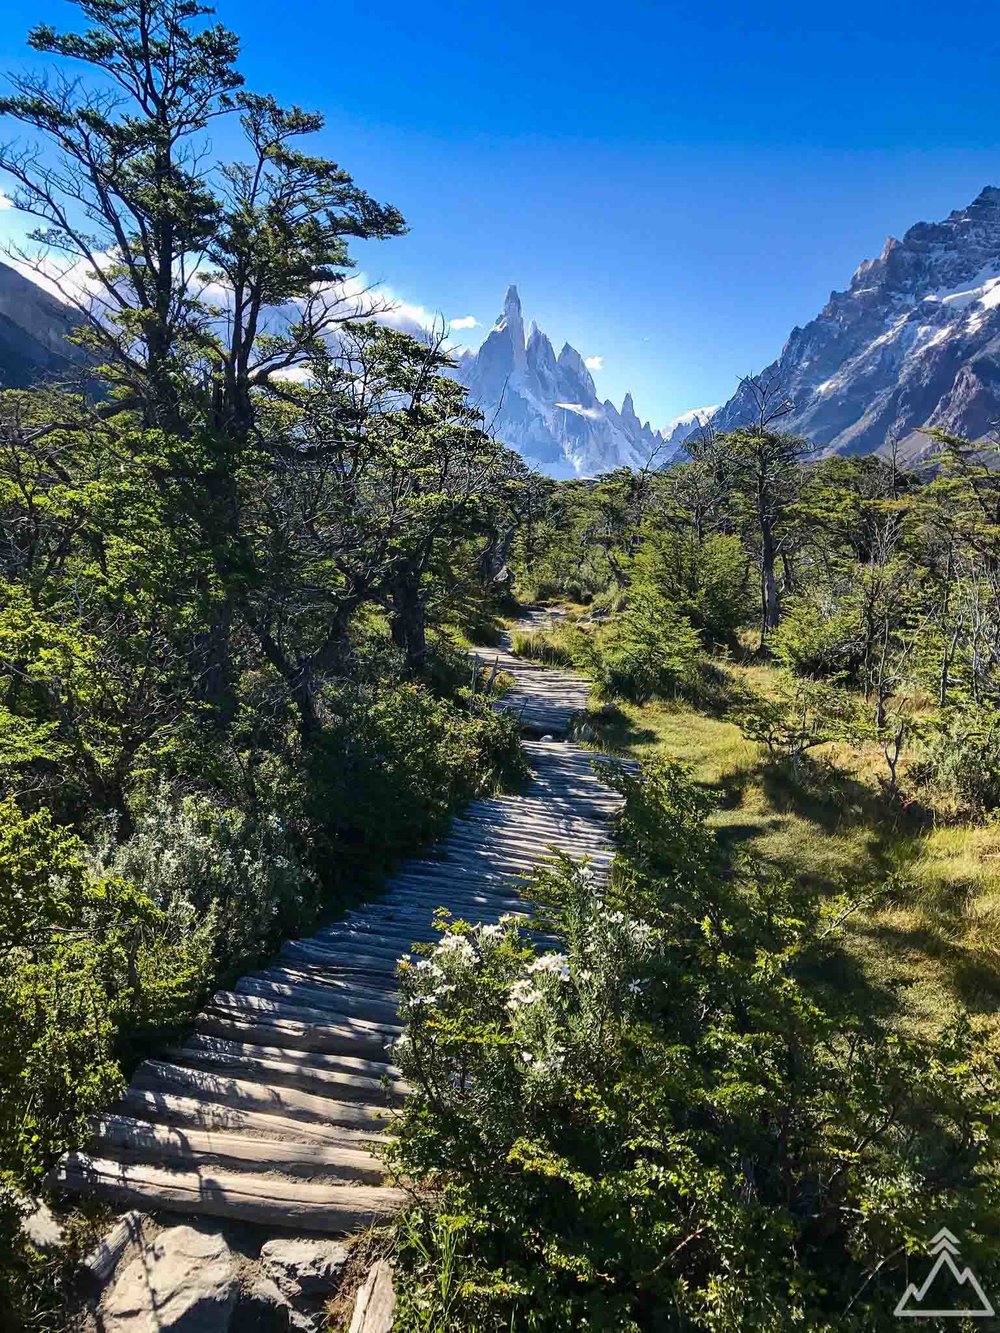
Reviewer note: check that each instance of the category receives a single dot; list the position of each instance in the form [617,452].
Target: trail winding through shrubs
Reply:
[271,1112]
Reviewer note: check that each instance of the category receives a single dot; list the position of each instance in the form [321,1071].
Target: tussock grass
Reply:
[929,940]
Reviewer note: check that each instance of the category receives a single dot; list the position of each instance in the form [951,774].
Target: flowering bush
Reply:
[209,866]
[666,1120]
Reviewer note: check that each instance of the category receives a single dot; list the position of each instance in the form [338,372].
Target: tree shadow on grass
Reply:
[608,728]
[974,981]
[817,790]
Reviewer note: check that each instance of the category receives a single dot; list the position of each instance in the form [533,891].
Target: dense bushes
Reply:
[670,1124]
[649,651]
[960,759]
[707,580]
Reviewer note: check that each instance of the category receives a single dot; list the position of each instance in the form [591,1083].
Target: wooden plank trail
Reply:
[272,1110]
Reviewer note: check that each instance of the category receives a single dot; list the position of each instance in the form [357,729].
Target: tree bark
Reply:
[770,605]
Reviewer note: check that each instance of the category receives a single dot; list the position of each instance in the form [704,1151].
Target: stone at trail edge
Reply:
[301,1267]
[184,1281]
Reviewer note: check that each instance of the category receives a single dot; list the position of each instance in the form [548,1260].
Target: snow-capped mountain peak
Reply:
[546,406]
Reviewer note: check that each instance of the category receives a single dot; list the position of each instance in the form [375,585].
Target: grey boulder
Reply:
[184,1281]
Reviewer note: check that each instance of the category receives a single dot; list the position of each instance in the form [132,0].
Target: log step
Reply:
[247,1094]
[198,1110]
[242,1196]
[131,1140]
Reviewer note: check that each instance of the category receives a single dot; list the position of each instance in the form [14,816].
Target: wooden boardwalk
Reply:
[272,1110]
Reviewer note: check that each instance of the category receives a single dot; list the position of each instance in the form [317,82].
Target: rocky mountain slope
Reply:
[33,328]
[546,406]
[913,342]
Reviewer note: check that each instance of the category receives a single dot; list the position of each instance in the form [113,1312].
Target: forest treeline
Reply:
[239,565]
[873,587]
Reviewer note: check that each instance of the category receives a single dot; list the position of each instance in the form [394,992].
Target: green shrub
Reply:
[801,715]
[649,651]
[820,636]
[961,758]
[664,1123]
[204,865]
[384,781]
[708,580]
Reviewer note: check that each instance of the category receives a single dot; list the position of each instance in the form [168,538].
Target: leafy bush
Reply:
[209,867]
[384,781]
[86,957]
[820,636]
[961,758]
[649,651]
[666,1123]
[707,580]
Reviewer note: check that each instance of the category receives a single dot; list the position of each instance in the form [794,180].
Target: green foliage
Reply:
[384,781]
[669,1125]
[800,715]
[707,580]
[649,651]
[960,758]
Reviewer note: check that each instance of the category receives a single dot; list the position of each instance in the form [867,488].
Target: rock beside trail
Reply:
[376,1301]
[262,1309]
[300,1267]
[184,1281]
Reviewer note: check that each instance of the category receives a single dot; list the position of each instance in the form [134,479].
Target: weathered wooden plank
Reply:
[289,1072]
[131,1140]
[376,1069]
[197,1109]
[291,1103]
[315,997]
[240,1195]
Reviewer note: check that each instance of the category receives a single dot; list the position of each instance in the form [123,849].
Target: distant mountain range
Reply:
[33,329]
[546,406]
[913,342]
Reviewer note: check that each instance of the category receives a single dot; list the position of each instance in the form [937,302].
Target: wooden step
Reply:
[198,1110]
[328,1000]
[375,1069]
[288,1072]
[126,1139]
[245,1197]
[374,1032]
[246,1094]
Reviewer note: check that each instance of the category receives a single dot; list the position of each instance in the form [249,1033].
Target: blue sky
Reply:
[671,185]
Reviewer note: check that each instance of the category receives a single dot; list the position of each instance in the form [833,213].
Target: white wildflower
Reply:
[555,963]
[522,992]
[457,946]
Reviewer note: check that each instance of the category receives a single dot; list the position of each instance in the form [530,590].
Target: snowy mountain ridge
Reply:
[912,343]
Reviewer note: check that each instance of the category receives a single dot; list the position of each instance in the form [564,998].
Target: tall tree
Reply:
[764,466]
[120,176]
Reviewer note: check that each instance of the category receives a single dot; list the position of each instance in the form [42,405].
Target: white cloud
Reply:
[465,322]
[4,201]
[594,362]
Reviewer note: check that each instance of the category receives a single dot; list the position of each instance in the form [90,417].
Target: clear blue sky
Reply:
[671,185]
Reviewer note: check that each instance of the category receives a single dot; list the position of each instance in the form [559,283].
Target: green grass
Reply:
[928,943]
